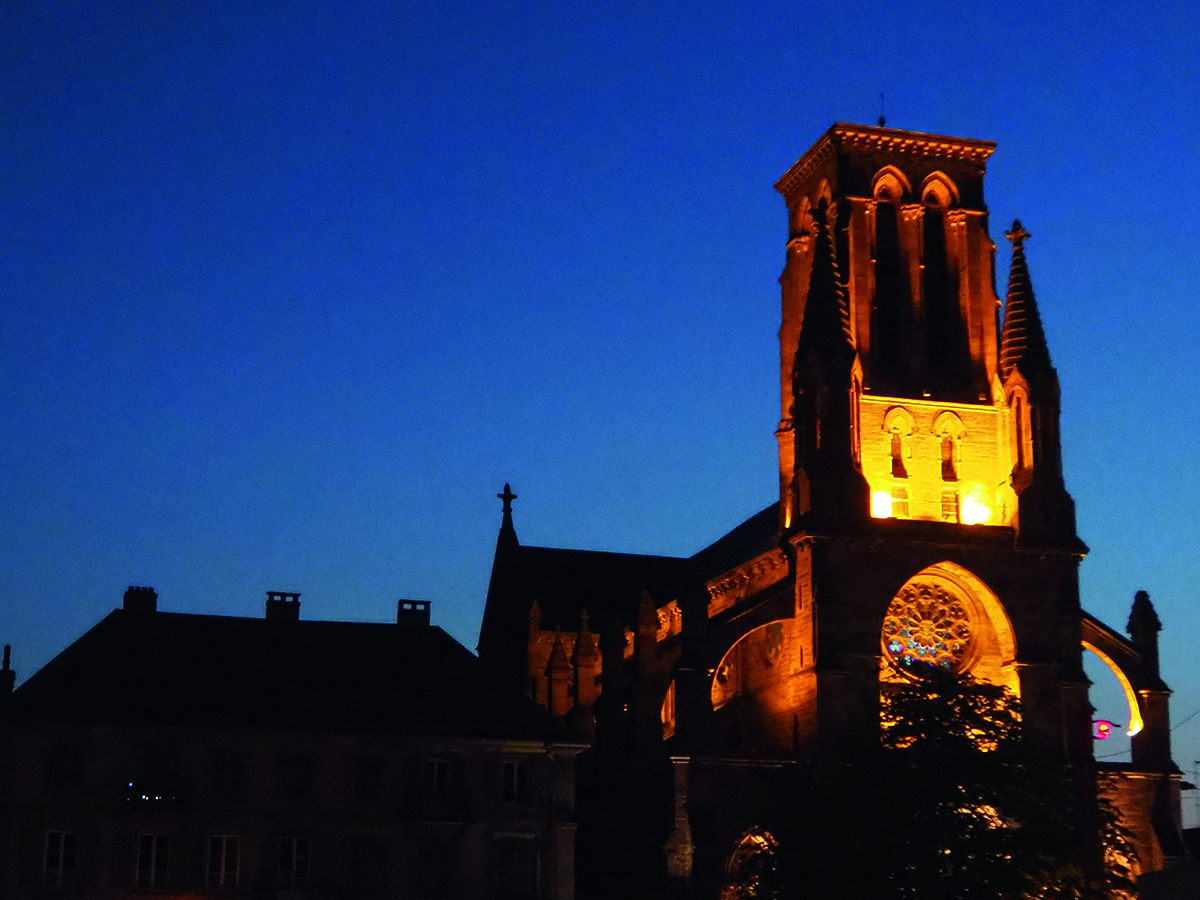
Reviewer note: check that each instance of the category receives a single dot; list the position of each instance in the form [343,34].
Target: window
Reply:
[950,506]
[752,869]
[293,863]
[516,875]
[898,469]
[949,465]
[222,862]
[436,781]
[61,860]
[151,861]
[516,782]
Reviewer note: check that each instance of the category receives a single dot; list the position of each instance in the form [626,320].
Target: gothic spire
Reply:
[1143,620]
[1022,340]
[826,324]
[503,635]
[506,540]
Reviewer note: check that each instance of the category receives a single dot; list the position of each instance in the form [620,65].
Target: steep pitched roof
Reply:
[565,583]
[826,326]
[608,586]
[751,539]
[1022,341]
[178,669]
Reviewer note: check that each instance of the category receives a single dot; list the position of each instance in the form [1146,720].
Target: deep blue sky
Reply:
[291,290]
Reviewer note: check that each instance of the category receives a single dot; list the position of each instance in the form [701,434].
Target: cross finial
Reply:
[508,497]
[1018,235]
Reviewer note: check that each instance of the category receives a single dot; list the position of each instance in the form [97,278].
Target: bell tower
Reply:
[891,356]
[920,470]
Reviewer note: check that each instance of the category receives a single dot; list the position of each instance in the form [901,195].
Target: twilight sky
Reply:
[290,290]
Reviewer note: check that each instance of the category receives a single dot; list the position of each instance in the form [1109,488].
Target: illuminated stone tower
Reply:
[888,303]
[919,459]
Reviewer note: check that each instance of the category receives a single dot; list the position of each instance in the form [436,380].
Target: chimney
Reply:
[140,600]
[283,607]
[412,612]
[7,676]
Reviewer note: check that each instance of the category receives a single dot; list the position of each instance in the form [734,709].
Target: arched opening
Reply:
[752,870]
[1134,719]
[890,500]
[755,691]
[891,309]
[947,617]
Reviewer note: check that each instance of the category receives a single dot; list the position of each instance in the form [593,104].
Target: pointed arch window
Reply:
[1018,407]
[898,468]
[898,423]
[752,869]
[949,460]
[949,429]
[893,292]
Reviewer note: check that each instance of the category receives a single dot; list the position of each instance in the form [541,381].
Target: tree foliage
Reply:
[950,806]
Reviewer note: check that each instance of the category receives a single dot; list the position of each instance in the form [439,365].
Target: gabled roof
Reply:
[751,539]
[565,583]
[157,668]
[608,586]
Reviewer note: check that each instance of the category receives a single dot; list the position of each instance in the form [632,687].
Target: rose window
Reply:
[926,623]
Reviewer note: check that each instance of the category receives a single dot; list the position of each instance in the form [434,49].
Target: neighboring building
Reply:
[173,754]
[922,515]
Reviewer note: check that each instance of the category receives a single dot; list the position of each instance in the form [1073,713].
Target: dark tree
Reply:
[951,807]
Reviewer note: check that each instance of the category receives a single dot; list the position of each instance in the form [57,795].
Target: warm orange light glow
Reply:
[881,505]
[975,510]
[1135,713]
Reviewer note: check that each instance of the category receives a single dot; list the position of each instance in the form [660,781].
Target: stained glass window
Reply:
[927,623]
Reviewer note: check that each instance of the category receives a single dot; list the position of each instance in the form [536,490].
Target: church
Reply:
[922,519]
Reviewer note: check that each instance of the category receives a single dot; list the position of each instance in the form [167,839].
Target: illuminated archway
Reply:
[946,616]
[761,649]
[1135,713]
[752,870]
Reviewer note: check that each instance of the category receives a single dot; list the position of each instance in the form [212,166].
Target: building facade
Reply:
[922,518]
[174,755]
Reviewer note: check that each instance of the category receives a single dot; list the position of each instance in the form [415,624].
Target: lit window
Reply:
[668,712]
[898,469]
[222,862]
[949,506]
[881,505]
[949,464]
[293,863]
[516,782]
[975,510]
[925,623]
[61,858]
[151,861]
